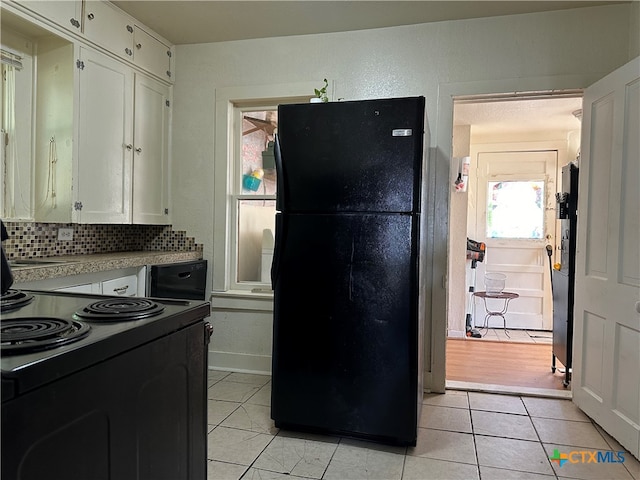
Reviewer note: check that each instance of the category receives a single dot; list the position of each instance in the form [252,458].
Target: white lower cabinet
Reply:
[125,282]
[122,286]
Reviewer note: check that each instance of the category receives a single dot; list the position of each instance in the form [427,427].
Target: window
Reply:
[255,195]
[246,119]
[515,209]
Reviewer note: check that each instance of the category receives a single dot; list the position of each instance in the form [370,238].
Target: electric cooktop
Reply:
[45,335]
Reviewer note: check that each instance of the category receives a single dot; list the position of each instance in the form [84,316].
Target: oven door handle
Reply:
[208,332]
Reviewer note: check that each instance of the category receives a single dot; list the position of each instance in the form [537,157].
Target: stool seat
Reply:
[506,297]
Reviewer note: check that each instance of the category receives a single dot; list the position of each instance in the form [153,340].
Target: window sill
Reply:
[233,300]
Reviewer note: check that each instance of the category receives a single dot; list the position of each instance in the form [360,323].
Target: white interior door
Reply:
[605,382]
[516,219]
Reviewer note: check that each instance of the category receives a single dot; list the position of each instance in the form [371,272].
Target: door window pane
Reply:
[515,210]
[256,227]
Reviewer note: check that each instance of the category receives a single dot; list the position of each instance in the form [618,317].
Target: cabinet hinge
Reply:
[80,64]
[166,211]
[77,206]
[167,103]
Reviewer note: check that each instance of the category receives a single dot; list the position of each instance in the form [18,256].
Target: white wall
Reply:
[563,49]
[412,60]
[458,205]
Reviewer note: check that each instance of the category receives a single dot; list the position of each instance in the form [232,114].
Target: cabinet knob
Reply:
[74,22]
[129,146]
[138,150]
[128,51]
[138,46]
[91,16]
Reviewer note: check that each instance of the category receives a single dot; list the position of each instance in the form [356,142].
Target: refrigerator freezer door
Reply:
[363,156]
[346,325]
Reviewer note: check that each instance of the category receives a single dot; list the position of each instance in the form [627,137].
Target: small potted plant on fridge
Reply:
[321,93]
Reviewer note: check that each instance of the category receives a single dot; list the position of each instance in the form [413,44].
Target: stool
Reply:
[506,296]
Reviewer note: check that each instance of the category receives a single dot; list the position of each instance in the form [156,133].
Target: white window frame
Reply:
[237,195]
[230,102]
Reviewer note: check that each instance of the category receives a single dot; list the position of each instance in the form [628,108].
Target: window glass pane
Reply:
[256,230]
[258,165]
[515,210]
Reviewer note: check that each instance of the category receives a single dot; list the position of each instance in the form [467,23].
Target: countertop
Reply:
[99,262]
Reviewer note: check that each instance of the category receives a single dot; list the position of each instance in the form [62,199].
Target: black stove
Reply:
[100,362]
[32,334]
[120,309]
[13,299]
[97,327]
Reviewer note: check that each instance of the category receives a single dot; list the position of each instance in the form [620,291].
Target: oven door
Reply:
[140,414]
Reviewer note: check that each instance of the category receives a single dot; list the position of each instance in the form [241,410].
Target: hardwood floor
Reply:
[502,363]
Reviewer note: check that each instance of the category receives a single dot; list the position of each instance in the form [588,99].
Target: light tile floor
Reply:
[462,435]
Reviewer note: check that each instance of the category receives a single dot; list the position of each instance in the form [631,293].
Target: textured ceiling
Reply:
[188,22]
[513,116]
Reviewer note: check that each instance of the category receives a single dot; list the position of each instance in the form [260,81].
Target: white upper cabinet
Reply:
[122,172]
[114,30]
[109,27]
[151,54]
[150,157]
[97,139]
[105,140]
[67,14]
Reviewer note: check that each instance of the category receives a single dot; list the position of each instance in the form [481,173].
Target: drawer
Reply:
[121,286]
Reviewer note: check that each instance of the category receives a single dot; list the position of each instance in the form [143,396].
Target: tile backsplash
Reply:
[33,239]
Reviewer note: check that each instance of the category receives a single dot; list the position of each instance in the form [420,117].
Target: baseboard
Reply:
[456,334]
[239,362]
[508,390]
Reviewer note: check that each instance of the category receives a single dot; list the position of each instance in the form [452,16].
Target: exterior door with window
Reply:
[606,357]
[516,219]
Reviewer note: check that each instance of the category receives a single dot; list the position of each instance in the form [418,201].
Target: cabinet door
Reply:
[67,14]
[150,158]
[122,286]
[110,28]
[105,144]
[151,54]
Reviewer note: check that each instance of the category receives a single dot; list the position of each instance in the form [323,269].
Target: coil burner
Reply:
[120,309]
[13,299]
[33,334]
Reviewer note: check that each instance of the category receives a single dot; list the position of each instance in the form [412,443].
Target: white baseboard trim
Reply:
[508,390]
[456,333]
[240,362]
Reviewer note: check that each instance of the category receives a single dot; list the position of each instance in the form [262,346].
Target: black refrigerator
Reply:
[564,279]
[348,269]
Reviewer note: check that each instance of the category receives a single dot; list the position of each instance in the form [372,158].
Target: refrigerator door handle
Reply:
[277,249]
[280,191]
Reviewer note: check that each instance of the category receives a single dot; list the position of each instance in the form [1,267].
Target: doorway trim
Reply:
[435,380]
